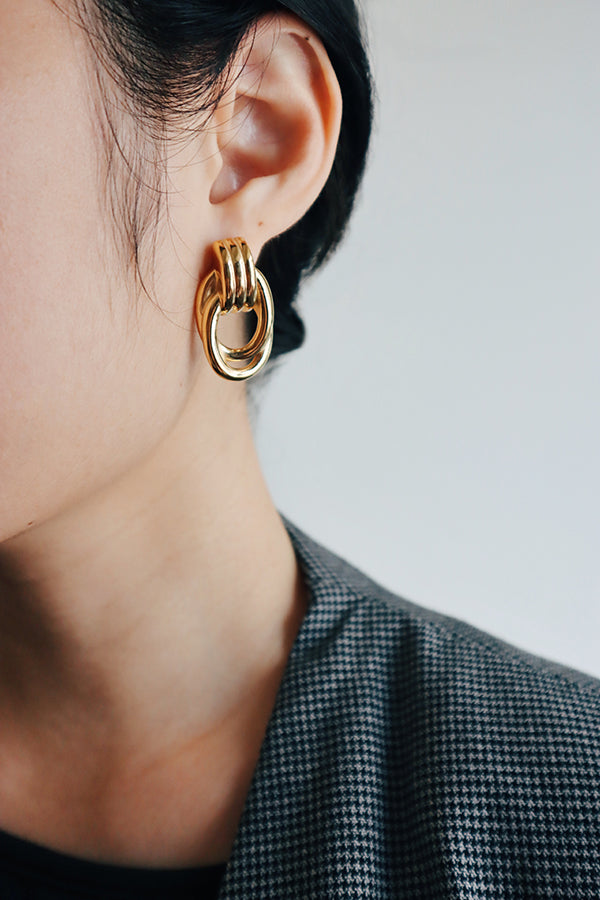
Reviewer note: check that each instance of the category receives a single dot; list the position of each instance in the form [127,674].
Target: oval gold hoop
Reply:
[235,285]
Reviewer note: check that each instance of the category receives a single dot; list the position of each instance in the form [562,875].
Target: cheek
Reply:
[88,383]
[87,379]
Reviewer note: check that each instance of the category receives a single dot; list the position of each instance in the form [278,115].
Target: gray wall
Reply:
[440,427]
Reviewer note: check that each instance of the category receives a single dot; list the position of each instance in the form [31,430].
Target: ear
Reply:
[277,131]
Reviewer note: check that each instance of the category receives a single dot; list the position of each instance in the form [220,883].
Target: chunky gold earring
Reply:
[235,284]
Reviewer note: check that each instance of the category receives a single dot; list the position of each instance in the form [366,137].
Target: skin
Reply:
[149,593]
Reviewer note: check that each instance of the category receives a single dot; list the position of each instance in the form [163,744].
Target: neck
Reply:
[155,607]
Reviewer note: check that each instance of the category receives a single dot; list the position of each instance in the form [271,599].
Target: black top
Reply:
[31,872]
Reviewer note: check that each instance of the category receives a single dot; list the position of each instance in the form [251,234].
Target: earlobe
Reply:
[278,129]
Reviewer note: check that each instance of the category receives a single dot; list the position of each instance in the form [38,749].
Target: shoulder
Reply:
[476,718]
[388,623]
[439,757]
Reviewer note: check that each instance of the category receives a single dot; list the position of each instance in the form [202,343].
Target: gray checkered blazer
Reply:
[412,756]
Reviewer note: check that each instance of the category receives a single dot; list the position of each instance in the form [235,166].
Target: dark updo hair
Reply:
[172,60]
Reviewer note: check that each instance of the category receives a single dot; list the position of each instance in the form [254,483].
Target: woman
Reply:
[197,699]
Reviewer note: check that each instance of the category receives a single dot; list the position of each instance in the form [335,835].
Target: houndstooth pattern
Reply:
[412,756]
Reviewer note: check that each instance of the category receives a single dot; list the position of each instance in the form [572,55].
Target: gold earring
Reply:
[235,284]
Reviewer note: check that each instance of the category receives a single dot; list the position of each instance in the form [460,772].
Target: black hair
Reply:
[173,57]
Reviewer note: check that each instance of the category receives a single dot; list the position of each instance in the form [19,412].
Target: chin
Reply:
[11,526]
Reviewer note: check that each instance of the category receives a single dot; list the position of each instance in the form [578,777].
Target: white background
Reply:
[440,427]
